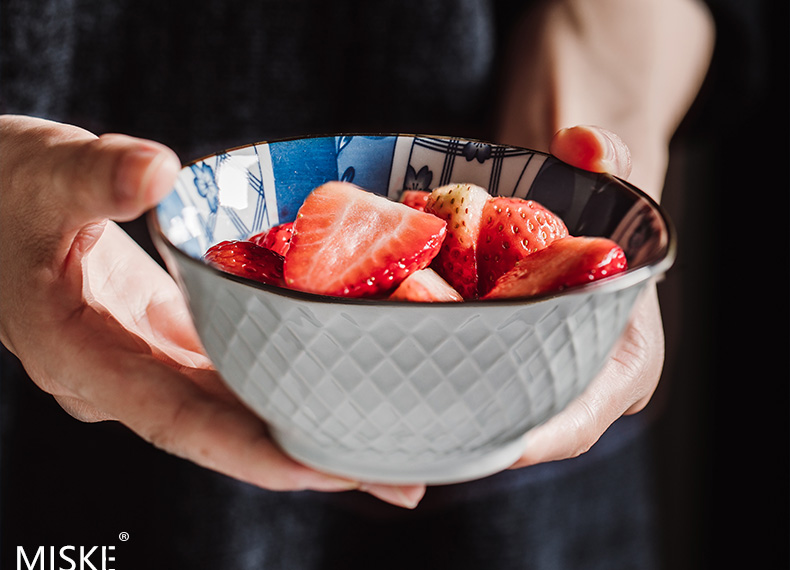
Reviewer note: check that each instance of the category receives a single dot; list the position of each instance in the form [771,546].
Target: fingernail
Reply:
[139,173]
[406,497]
[135,169]
[616,157]
[607,146]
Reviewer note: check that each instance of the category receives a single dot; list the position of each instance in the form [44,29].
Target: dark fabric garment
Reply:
[221,74]
[568,519]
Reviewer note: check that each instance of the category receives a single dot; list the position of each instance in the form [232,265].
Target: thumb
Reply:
[113,176]
[592,148]
[65,177]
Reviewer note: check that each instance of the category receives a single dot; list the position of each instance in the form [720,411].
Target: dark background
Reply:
[721,442]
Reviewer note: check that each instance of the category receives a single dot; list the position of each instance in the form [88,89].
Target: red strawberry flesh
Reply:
[565,263]
[511,229]
[350,242]
[277,238]
[425,286]
[415,199]
[246,259]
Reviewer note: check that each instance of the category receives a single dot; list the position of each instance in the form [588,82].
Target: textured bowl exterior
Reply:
[401,392]
[408,394]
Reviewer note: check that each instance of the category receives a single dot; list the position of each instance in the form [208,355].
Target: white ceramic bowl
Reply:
[391,391]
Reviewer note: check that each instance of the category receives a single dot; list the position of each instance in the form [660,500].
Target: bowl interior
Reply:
[240,192]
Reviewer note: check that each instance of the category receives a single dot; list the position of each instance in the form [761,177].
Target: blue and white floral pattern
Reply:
[235,194]
[477,150]
[417,180]
[206,184]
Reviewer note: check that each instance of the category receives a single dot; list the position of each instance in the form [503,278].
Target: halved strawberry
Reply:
[461,206]
[246,259]
[350,242]
[512,228]
[425,286]
[277,238]
[415,198]
[564,263]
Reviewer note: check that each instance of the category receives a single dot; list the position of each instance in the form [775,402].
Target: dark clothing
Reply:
[217,75]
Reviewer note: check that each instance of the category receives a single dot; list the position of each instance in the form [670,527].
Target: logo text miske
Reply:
[66,557]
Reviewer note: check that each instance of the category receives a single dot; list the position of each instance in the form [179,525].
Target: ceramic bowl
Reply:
[401,392]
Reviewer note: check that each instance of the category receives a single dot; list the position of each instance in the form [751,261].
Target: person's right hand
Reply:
[99,325]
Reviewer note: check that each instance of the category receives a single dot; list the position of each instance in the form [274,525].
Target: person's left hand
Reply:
[631,374]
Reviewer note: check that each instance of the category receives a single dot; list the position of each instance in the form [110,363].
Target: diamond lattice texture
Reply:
[385,385]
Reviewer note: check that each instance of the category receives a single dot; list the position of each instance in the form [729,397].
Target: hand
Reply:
[631,375]
[634,67]
[100,326]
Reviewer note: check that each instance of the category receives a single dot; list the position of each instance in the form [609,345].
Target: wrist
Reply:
[630,66]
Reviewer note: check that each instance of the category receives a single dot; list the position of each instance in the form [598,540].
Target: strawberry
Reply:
[511,229]
[277,238]
[246,259]
[425,286]
[415,199]
[350,242]
[564,263]
[461,206]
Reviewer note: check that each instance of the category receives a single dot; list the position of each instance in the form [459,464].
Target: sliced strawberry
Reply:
[461,206]
[415,199]
[277,238]
[246,259]
[425,286]
[564,263]
[350,242]
[511,229]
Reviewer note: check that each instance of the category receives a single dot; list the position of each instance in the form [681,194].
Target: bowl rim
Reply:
[611,284]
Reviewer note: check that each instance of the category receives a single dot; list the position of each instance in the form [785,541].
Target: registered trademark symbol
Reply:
[124,536]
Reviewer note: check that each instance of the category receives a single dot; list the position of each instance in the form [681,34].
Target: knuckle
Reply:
[638,362]
[165,434]
[634,354]
[82,410]
[585,428]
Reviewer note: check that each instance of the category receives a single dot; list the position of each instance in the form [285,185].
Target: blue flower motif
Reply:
[206,184]
[417,180]
[476,150]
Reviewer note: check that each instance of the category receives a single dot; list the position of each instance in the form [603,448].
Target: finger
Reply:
[146,300]
[191,414]
[81,410]
[113,176]
[194,415]
[166,409]
[214,433]
[625,384]
[406,496]
[175,414]
[78,177]
[592,148]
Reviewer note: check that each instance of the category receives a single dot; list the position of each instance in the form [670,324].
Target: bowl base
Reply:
[473,465]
